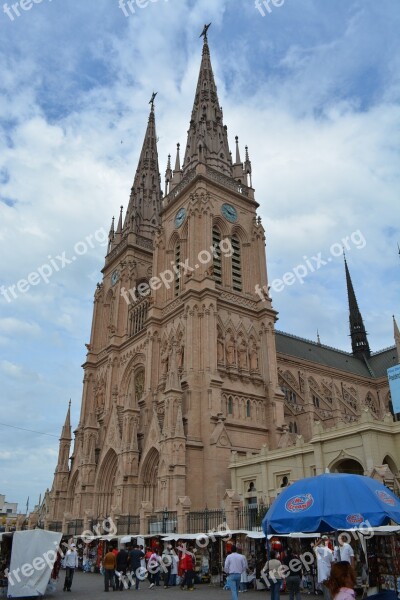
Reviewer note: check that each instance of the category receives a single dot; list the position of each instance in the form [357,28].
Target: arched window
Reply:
[248,409]
[178,272]
[230,406]
[236,265]
[217,263]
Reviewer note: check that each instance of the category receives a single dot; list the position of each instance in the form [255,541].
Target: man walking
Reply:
[324,562]
[135,565]
[109,562]
[122,565]
[71,563]
[235,565]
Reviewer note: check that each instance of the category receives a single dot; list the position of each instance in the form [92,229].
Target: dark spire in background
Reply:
[359,340]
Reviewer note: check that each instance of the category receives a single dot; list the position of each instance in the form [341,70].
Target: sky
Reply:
[311,86]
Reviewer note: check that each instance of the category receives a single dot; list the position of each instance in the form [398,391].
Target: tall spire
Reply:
[145,201]
[207,140]
[66,430]
[396,338]
[359,340]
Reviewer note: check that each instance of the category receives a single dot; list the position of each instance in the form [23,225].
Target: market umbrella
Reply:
[330,502]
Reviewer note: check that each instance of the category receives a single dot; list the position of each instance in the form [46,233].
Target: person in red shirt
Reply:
[187,566]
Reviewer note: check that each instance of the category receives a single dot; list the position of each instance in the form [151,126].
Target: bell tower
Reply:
[210,261]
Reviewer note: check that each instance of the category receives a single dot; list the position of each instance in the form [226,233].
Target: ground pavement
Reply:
[91,586]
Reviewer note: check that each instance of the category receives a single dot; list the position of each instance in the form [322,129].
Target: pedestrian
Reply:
[153,567]
[346,552]
[167,559]
[109,562]
[235,565]
[271,573]
[174,569]
[137,570]
[71,563]
[342,581]
[324,563]
[121,567]
[293,574]
[187,566]
[244,577]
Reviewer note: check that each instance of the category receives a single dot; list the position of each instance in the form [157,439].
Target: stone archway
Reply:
[347,465]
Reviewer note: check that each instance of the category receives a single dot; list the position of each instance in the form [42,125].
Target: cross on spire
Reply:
[204,32]
[153,97]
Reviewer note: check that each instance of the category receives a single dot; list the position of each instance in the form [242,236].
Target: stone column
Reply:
[145,511]
[183,508]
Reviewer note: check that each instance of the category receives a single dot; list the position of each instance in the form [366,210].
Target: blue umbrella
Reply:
[330,502]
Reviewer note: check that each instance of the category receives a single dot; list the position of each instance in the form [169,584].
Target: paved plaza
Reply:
[91,585]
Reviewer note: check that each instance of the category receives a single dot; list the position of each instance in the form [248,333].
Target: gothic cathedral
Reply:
[183,364]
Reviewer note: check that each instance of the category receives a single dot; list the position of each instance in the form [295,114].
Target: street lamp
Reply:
[165,520]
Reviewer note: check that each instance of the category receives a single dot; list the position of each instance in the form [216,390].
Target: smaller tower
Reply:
[359,340]
[61,474]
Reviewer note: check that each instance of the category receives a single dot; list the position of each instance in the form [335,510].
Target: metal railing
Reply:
[128,524]
[163,522]
[205,520]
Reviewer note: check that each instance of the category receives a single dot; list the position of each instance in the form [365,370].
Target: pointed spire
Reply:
[396,338]
[178,158]
[207,140]
[237,161]
[177,176]
[111,235]
[118,233]
[359,340]
[247,167]
[168,175]
[145,201]
[66,430]
[318,338]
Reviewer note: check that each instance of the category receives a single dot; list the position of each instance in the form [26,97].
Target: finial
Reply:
[247,153]
[318,338]
[204,32]
[69,403]
[153,96]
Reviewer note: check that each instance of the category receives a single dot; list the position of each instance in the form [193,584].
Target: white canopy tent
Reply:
[32,558]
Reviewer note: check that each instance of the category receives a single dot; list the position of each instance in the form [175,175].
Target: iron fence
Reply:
[250,517]
[55,526]
[163,522]
[205,520]
[75,527]
[128,524]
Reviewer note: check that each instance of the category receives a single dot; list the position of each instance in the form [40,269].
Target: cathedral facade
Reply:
[184,365]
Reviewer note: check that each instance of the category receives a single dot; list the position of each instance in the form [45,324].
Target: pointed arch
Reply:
[105,482]
[390,462]
[149,476]
[72,492]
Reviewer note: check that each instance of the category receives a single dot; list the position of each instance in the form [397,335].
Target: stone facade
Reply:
[183,364]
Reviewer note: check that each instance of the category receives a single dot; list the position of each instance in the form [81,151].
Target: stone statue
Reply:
[230,350]
[243,354]
[254,357]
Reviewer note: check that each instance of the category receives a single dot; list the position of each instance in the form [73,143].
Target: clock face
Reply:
[229,212]
[114,277]
[180,217]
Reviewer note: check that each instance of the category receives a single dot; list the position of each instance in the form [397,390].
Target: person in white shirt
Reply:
[71,563]
[324,563]
[346,552]
[235,565]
